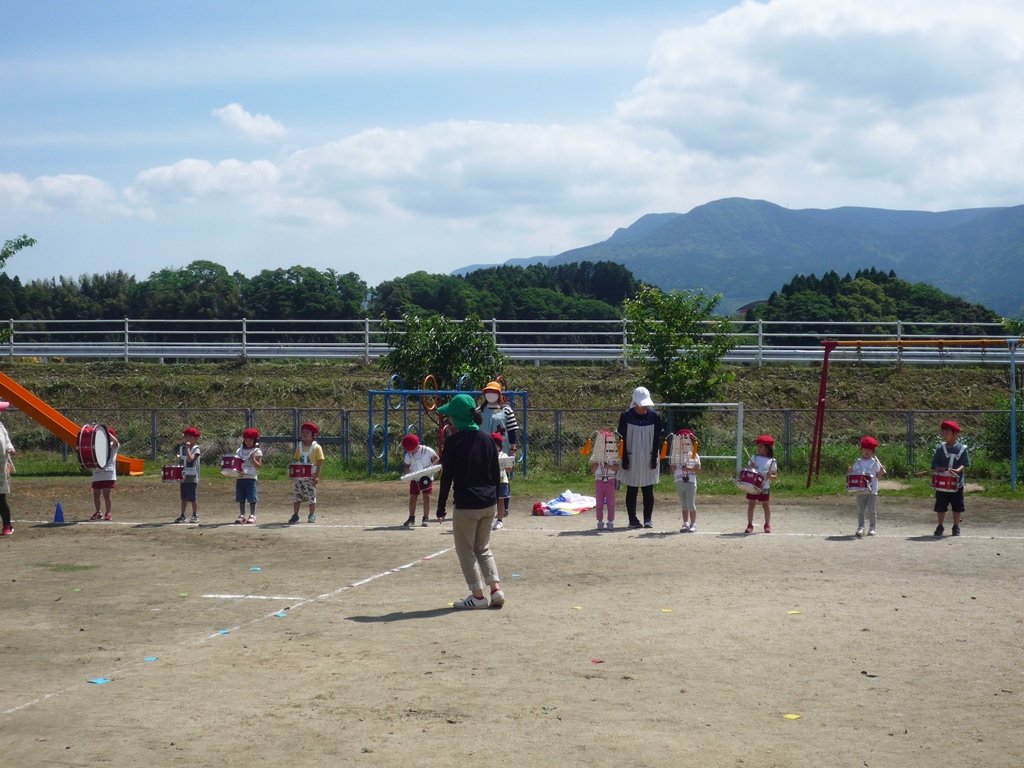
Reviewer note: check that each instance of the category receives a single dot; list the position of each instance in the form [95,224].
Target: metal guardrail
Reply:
[760,342]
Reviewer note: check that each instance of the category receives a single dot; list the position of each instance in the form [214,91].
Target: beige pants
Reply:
[472,529]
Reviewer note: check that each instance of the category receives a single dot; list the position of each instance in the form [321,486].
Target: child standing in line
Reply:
[245,487]
[104,480]
[867,464]
[419,457]
[686,479]
[308,451]
[763,462]
[604,463]
[950,457]
[188,457]
[504,487]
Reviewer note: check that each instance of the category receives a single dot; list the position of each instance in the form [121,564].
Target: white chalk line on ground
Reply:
[301,604]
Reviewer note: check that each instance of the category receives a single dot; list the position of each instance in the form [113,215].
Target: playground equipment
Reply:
[56,423]
[814,466]
[411,408]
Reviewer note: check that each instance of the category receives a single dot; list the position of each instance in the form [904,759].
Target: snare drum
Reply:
[947,482]
[231,465]
[94,445]
[173,474]
[858,483]
[750,480]
[300,471]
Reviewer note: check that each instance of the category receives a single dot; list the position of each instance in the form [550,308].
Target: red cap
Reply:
[251,434]
[950,424]
[311,427]
[410,442]
[498,438]
[765,440]
[191,432]
[868,442]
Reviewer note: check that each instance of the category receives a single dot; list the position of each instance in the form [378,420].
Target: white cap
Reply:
[641,397]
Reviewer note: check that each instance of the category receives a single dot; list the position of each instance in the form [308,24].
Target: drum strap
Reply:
[951,457]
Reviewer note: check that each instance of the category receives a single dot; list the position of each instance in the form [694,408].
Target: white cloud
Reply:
[62,192]
[257,128]
[923,97]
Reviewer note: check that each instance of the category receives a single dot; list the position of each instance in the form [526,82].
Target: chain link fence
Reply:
[553,437]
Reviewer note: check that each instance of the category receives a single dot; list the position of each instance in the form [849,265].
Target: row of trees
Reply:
[205,290]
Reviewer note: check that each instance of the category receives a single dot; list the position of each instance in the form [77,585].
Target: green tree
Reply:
[305,293]
[201,291]
[679,342]
[11,247]
[442,348]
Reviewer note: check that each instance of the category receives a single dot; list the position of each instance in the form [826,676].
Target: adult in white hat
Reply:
[641,431]
[6,451]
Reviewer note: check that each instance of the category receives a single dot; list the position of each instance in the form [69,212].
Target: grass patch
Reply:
[65,567]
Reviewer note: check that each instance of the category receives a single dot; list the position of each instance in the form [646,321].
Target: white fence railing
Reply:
[759,341]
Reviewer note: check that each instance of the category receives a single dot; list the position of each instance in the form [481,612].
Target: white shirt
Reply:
[870,467]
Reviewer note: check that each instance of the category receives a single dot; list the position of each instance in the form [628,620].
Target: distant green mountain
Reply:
[745,249]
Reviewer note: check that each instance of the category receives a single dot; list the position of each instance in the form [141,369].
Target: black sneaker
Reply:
[410,522]
[956,530]
[635,524]
[181,518]
[939,530]
[293,519]
[424,523]
[194,519]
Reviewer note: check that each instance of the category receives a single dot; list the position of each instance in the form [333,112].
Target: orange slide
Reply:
[52,420]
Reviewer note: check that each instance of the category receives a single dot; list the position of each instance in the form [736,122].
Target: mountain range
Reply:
[745,249]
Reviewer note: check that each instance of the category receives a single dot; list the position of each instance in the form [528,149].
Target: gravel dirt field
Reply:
[333,643]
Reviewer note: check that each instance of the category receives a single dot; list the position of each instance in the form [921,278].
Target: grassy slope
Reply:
[344,385]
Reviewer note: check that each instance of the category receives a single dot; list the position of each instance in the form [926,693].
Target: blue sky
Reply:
[381,138]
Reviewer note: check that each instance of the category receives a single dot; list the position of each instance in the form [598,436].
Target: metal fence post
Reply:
[346,447]
[787,417]
[910,440]
[760,349]
[245,341]
[10,325]
[127,339]
[625,343]
[559,441]
[366,340]
[154,447]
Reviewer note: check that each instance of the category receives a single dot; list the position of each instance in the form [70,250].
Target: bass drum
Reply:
[94,445]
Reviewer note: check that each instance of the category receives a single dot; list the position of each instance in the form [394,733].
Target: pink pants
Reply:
[604,490]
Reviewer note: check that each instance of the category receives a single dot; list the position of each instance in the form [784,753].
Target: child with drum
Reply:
[948,465]
[418,457]
[104,479]
[603,449]
[245,486]
[188,460]
[685,466]
[305,471]
[504,487]
[862,479]
[763,463]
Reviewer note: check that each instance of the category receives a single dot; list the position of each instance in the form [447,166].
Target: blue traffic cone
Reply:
[58,516]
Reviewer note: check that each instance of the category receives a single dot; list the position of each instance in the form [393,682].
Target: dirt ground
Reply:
[806,647]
